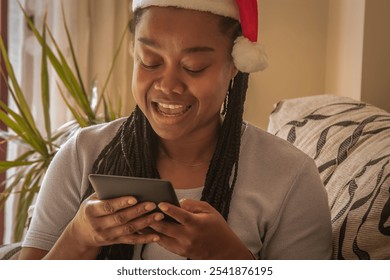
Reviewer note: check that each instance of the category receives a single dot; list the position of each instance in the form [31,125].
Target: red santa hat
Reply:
[248,54]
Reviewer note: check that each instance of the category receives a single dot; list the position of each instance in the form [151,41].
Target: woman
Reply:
[246,194]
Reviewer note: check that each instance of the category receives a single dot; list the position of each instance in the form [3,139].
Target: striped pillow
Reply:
[10,251]
[350,143]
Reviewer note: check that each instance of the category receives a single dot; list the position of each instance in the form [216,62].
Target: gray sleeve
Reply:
[302,229]
[58,200]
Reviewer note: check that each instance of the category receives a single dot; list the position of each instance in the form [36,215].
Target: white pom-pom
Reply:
[249,57]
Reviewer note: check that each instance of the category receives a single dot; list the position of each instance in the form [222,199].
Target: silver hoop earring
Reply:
[226,101]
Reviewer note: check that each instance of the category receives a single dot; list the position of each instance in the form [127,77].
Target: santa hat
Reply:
[248,54]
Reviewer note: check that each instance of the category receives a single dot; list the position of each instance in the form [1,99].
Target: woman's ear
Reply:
[234,72]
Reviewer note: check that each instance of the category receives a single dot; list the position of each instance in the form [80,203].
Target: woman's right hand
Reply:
[100,223]
[113,221]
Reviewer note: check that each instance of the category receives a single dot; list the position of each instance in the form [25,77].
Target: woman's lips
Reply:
[171,110]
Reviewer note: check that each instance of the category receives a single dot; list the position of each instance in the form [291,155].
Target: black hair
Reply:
[133,150]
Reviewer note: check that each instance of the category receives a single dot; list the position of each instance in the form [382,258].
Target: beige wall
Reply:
[294,33]
[345,47]
[337,47]
[375,87]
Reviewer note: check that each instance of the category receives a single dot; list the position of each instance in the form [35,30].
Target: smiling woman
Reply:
[244,193]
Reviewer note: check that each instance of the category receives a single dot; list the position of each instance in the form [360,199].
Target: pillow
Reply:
[350,143]
[10,251]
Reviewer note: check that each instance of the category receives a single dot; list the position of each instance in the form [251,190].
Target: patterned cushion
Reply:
[10,251]
[350,143]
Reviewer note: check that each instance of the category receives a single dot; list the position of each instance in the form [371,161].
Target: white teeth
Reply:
[170,106]
[171,110]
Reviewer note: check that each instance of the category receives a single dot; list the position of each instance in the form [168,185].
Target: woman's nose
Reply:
[170,82]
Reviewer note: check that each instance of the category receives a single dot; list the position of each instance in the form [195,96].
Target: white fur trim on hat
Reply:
[227,8]
[249,56]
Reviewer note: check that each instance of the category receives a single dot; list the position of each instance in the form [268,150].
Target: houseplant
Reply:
[87,106]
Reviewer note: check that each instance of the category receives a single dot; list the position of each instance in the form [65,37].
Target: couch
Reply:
[350,143]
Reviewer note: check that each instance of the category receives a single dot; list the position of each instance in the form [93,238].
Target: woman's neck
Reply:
[190,153]
[185,161]
[195,149]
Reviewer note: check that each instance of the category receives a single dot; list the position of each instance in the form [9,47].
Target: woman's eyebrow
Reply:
[149,42]
[198,49]
[153,44]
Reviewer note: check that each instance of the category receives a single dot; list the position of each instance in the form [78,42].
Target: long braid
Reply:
[130,153]
[219,183]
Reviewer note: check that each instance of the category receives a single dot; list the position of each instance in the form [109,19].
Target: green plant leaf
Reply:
[74,88]
[5,165]
[17,96]
[45,94]
[25,155]
[63,70]
[20,127]
[26,197]
[11,124]
[12,137]
[75,63]
[18,162]
[27,128]
[19,99]
[13,181]
[75,114]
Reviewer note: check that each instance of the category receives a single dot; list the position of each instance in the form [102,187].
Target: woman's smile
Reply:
[182,71]
[171,114]
[171,110]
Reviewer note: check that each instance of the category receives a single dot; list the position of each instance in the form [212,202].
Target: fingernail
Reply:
[132,201]
[158,217]
[163,207]
[155,239]
[182,200]
[150,206]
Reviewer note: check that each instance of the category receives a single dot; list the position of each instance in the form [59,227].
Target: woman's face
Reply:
[182,70]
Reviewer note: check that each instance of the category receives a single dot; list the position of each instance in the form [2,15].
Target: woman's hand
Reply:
[202,233]
[112,221]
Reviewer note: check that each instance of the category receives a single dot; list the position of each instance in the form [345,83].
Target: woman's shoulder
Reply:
[92,139]
[267,157]
[266,145]
[105,130]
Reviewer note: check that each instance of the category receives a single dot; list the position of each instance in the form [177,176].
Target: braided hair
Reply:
[133,151]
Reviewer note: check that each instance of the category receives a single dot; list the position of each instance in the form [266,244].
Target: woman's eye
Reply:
[195,71]
[150,66]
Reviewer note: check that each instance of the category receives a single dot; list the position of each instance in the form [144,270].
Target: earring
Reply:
[226,101]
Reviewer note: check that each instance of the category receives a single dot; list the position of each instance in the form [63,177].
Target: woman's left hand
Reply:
[202,233]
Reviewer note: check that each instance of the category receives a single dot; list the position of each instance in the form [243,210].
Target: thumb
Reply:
[195,206]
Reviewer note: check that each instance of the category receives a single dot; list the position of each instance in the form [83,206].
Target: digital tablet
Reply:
[143,189]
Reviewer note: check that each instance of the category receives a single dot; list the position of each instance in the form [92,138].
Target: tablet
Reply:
[143,189]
